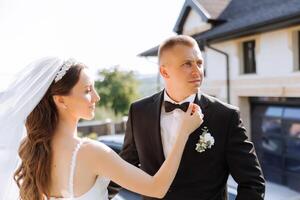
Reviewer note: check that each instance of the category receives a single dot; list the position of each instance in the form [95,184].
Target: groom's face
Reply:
[183,66]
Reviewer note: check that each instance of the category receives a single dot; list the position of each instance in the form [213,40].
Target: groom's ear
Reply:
[163,71]
[59,101]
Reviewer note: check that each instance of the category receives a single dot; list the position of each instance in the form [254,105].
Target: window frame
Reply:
[249,62]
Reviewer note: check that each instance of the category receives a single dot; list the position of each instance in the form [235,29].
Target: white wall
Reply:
[275,52]
[215,65]
[194,24]
[274,55]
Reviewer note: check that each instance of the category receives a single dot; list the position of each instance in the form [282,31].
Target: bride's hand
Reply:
[191,119]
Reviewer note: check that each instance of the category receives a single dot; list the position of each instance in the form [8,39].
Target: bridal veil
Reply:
[16,103]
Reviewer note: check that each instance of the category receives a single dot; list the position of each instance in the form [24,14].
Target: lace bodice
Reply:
[97,192]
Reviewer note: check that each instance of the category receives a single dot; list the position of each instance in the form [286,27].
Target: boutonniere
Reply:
[206,141]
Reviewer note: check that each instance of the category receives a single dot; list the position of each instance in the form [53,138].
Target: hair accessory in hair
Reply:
[64,68]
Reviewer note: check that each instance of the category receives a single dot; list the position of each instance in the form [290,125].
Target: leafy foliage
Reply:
[117,89]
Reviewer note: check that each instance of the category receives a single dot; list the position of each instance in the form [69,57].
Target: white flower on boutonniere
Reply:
[206,141]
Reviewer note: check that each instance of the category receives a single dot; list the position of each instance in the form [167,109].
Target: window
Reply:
[249,57]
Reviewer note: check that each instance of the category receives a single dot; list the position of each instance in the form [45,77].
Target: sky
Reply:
[98,33]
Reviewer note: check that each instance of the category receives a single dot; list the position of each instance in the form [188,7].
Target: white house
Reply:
[251,53]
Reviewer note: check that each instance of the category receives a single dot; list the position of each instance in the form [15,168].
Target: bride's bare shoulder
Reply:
[97,155]
[93,147]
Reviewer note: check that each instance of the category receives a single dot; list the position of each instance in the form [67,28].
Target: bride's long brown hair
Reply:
[34,174]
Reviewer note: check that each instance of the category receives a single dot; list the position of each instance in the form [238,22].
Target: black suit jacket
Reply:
[201,176]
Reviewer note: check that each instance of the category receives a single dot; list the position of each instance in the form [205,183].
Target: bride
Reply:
[49,99]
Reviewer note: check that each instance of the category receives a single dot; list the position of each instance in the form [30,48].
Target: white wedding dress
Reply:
[97,192]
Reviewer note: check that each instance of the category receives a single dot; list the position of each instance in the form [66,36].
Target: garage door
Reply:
[275,131]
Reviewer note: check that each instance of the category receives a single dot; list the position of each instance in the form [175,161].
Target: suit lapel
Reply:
[203,102]
[155,115]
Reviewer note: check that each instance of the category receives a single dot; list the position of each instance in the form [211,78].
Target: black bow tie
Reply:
[169,107]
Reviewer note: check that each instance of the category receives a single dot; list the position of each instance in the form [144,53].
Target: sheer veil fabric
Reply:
[16,102]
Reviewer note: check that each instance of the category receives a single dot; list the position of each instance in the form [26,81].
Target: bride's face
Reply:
[81,102]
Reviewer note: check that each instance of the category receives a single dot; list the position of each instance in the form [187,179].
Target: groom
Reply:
[203,171]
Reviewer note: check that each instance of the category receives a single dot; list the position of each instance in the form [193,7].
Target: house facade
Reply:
[251,57]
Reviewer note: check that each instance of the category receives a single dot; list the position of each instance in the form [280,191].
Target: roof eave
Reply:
[150,52]
[253,29]
[188,5]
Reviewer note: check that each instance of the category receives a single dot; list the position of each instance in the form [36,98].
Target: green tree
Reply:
[117,89]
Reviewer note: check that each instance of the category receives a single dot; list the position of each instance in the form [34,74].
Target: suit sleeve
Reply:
[243,163]
[128,153]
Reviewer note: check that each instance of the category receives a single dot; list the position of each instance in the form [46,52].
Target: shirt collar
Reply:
[190,98]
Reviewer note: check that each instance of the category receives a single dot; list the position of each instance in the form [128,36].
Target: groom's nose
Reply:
[195,71]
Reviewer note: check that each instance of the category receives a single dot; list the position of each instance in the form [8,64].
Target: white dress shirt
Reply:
[169,122]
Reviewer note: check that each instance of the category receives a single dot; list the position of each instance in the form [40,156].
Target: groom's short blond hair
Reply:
[175,40]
